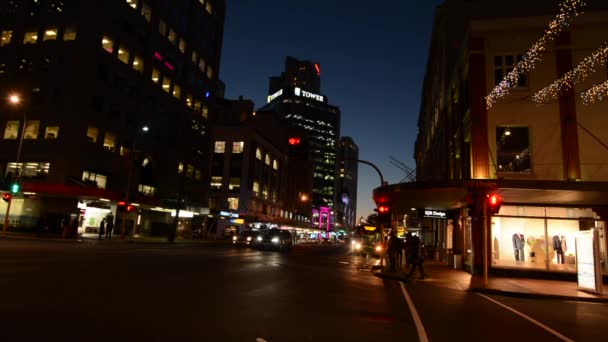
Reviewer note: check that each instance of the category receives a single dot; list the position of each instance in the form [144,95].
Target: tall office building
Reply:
[296,96]
[114,106]
[348,154]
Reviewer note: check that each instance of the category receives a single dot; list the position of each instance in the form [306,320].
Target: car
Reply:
[274,239]
[245,238]
[361,246]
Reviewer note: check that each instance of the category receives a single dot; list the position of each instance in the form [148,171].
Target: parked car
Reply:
[274,239]
[245,238]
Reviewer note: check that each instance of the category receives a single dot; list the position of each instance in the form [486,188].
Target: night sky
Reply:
[372,64]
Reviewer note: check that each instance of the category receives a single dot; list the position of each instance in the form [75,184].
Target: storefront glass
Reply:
[541,237]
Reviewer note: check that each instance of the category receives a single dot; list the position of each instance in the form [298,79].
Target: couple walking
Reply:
[414,253]
[106,228]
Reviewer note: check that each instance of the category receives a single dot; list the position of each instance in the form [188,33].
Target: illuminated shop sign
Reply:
[225,213]
[275,95]
[304,93]
[434,213]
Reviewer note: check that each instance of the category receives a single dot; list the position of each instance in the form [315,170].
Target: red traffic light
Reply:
[494,202]
[294,141]
[130,208]
[382,209]
[6,197]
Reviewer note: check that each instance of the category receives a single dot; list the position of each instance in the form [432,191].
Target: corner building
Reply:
[296,96]
[116,97]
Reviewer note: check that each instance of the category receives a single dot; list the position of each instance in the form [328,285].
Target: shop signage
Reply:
[229,214]
[303,93]
[434,213]
[275,95]
[237,221]
[588,270]
[479,183]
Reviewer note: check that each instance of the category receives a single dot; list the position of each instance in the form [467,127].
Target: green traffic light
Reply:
[15,188]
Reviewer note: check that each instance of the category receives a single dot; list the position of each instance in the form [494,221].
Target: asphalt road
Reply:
[74,291]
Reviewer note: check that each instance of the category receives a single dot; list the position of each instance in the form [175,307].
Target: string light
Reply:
[572,77]
[568,10]
[597,93]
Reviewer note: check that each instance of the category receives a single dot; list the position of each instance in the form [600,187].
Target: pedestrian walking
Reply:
[394,246]
[102,228]
[109,228]
[414,251]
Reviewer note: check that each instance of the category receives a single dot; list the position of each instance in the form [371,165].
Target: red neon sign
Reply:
[160,58]
[318,69]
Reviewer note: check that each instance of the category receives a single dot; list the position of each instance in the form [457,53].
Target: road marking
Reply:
[558,335]
[419,327]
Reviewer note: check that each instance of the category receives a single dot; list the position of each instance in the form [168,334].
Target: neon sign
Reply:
[318,69]
[275,95]
[303,93]
[160,58]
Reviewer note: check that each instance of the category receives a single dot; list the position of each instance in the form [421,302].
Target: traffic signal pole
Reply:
[484,216]
[8,209]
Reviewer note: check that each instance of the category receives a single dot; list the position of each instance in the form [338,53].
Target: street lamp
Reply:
[14,100]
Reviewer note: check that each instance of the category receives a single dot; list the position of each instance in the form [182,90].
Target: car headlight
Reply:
[249,238]
[259,238]
[275,240]
[357,246]
[378,248]
[352,243]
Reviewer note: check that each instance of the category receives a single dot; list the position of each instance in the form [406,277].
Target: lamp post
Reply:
[14,100]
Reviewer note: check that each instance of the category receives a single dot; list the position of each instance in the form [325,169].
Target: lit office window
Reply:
[256,188]
[109,142]
[233,203]
[146,190]
[189,101]
[198,175]
[258,153]
[216,182]
[201,65]
[162,28]
[234,184]
[69,34]
[177,91]
[123,55]
[31,169]
[31,129]
[99,180]
[205,112]
[267,159]
[197,106]
[180,167]
[220,147]
[166,84]
[132,3]
[155,75]
[209,8]
[172,37]
[5,37]
[92,134]
[189,171]
[12,130]
[107,44]
[51,132]
[146,12]
[138,64]
[182,45]
[238,146]
[275,164]
[194,57]
[265,191]
[50,34]
[209,72]
[30,38]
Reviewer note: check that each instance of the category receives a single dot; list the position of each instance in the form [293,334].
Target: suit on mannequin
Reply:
[557,247]
[519,243]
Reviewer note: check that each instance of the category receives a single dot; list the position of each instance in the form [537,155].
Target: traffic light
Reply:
[6,197]
[294,141]
[130,208]
[15,188]
[298,148]
[493,202]
[384,214]
[122,207]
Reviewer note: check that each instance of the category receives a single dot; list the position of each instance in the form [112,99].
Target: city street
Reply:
[90,291]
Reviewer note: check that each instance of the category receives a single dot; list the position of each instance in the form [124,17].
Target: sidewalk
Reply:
[438,273]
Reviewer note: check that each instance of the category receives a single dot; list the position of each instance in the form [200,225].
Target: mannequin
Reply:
[564,247]
[519,243]
[557,247]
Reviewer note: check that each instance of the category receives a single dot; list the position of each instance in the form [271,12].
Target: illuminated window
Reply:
[209,72]
[258,154]
[220,147]
[109,142]
[194,57]
[201,65]
[205,112]
[237,146]
[180,167]
[69,34]
[155,75]
[50,34]
[172,37]
[216,182]
[146,12]
[12,130]
[5,37]
[51,132]
[31,169]
[182,45]
[275,164]
[235,183]
[189,101]
[95,178]
[31,129]
[177,92]
[146,190]
[166,84]
[209,8]
[265,191]
[123,55]
[256,188]
[162,28]
[267,159]
[198,175]
[107,44]
[92,134]
[138,64]
[233,203]
[513,149]
[189,171]
[30,38]
[132,3]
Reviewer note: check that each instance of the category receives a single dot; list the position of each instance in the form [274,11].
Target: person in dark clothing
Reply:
[109,228]
[394,246]
[102,228]
[74,227]
[414,252]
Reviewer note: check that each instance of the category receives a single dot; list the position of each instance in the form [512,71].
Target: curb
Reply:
[537,295]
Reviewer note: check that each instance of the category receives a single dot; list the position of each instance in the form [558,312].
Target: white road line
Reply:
[558,335]
[419,327]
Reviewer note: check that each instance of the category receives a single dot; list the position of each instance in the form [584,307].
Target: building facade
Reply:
[115,107]
[348,154]
[547,162]
[296,96]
